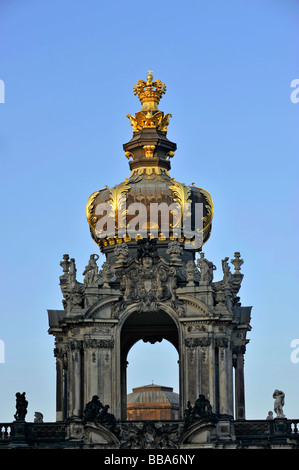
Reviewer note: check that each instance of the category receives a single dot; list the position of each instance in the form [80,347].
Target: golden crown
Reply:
[149,92]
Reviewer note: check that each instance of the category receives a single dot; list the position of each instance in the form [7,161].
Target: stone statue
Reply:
[91,271]
[92,409]
[270,416]
[201,410]
[206,269]
[106,418]
[21,407]
[95,411]
[72,290]
[201,407]
[226,270]
[38,417]
[72,273]
[279,396]
[187,411]
[190,271]
[107,273]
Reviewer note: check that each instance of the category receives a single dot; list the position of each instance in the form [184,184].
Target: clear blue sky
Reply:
[69,68]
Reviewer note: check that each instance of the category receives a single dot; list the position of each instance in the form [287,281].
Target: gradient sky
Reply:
[69,68]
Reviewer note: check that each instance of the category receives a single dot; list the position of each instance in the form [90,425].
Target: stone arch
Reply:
[150,327]
[196,305]
[100,305]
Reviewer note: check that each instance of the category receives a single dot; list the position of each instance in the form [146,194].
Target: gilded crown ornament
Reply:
[111,212]
[149,93]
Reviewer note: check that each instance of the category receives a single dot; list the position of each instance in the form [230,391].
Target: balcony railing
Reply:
[243,431]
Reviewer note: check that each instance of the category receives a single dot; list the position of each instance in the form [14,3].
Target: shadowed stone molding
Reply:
[195,342]
[99,343]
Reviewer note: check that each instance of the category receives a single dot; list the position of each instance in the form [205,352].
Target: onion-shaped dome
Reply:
[152,402]
[150,203]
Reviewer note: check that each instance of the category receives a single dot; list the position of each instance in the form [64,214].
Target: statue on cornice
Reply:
[91,271]
[279,397]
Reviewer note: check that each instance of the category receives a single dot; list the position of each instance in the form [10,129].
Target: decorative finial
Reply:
[149,92]
[237,262]
[149,75]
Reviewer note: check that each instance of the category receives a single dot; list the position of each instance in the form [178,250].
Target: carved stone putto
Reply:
[279,397]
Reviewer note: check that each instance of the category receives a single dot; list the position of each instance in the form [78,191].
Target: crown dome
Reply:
[163,204]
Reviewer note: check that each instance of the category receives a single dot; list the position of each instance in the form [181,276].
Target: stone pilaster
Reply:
[239,382]
[225,377]
[76,401]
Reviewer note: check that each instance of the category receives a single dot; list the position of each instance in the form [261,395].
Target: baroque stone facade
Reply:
[149,297]
[155,285]
[152,286]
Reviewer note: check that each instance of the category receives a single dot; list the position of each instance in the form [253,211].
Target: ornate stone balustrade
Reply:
[6,431]
[238,434]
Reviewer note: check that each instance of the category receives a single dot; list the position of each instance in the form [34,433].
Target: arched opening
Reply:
[153,381]
[152,328]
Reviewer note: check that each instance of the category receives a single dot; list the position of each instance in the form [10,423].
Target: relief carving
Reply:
[147,281]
